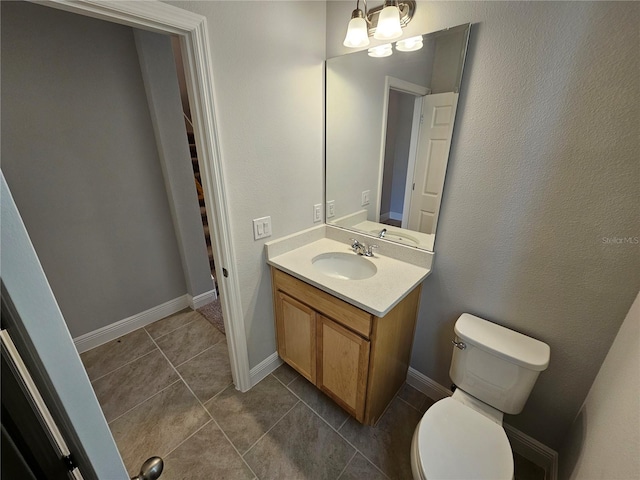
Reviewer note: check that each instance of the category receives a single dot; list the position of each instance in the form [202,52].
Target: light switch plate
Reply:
[365,197]
[331,208]
[261,228]
[317,212]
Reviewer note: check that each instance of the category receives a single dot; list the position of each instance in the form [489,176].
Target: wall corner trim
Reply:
[525,445]
[264,368]
[111,332]
[201,300]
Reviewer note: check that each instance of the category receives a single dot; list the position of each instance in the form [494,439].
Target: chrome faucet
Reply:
[362,248]
[382,233]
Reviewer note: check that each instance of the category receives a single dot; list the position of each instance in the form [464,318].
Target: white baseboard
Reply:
[111,332]
[523,444]
[264,368]
[202,299]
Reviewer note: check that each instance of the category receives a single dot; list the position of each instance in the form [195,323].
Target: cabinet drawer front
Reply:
[343,364]
[342,312]
[297,335]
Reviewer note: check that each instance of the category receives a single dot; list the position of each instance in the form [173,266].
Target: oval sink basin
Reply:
[346,266]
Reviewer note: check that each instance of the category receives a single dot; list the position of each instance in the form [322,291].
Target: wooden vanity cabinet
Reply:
[357,359]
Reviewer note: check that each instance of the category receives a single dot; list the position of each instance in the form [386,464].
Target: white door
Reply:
[434,142]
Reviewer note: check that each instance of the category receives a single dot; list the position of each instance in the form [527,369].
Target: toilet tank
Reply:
[497,366]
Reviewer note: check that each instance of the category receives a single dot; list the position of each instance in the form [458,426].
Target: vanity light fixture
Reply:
[383,23]
[380,51]
[409,44]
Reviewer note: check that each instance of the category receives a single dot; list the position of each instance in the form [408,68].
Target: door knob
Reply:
[151,469]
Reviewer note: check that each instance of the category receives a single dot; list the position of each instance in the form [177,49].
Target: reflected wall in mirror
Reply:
[389,123]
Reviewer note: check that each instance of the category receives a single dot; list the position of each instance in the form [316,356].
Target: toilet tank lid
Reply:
[503,342]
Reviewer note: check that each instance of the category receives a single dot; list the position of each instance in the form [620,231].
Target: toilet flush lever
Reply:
[460,345]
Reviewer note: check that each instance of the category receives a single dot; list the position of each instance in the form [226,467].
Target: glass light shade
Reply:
[388,26]
[409,44]
[357,35]
[380,51]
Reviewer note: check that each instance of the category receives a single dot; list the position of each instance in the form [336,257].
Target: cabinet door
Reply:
[296,332]
[343,364]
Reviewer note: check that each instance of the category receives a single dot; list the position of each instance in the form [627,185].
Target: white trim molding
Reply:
[523,444]
[264,368]
[192,30]
[111,332]
[201,300]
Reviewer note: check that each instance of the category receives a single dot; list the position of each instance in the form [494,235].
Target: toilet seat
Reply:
[453,441]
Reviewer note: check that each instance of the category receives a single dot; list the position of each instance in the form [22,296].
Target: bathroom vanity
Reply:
[351,338]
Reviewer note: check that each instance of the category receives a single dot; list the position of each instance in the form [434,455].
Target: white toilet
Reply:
[461,437]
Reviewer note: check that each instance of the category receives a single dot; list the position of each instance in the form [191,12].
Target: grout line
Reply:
[271,428]
[357,450]
[146,399]
[347,465]
[196,355]
[182,442]
[343,423]
[405,401]
[124,365]
[206,410]
[172,331]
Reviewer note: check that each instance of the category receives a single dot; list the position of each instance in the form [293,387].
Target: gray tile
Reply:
[426,405]
[171,323]
[206,455]
[209,373]
[188,341]
[413,397]
[526,469]
[126,387]
[319,402]
[158,425]
[388,444]
[245,417]
[285,374]
[116,353]
[300,446]
[360,468]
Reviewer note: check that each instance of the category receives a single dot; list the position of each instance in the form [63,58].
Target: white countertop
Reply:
[377,295]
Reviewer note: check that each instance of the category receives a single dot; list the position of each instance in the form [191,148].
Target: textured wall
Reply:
[544,167]
[604,440]
[80,157]
[268,74]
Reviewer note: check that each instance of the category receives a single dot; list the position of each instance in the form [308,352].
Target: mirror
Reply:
[389,123]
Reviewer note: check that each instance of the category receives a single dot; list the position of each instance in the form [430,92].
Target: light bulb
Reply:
[380,51]
[388,24]
[409,44]
[357,35]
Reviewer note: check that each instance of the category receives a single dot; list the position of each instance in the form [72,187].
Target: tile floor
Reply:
[166,390]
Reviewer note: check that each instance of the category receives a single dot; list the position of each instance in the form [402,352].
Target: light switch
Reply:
[317,212]
[261,228]
[331,208]
[365,197]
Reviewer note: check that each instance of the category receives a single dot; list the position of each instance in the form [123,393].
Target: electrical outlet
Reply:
[261,228]
[331,208]
[365,197]
[317,212]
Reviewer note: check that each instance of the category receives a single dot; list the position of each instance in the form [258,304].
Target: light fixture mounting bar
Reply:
[407,9]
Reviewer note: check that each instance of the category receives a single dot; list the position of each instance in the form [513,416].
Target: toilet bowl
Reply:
[461,437]
[454,441]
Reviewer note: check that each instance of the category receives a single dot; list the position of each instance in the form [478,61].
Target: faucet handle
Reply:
[369,250]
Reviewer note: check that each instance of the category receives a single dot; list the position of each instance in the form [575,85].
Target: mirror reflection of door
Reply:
[417,140]
[401,123]
[434,141]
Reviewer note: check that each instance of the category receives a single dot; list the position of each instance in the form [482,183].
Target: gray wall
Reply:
[158,68]
[604,440]
[268,63]
[544,165]
[79,154]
